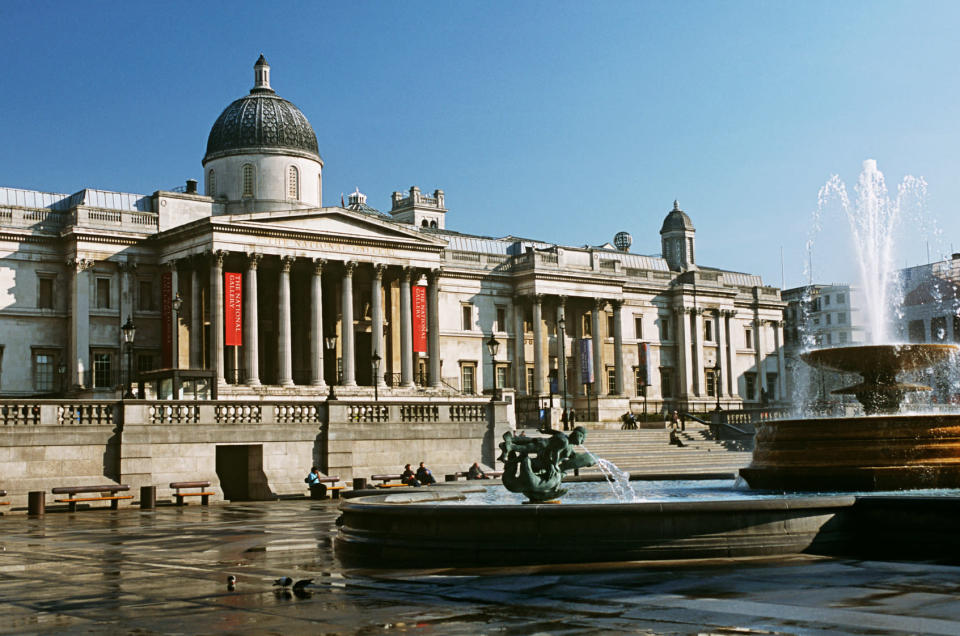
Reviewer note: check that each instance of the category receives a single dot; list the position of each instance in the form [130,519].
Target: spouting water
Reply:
[874,218]
[618,480]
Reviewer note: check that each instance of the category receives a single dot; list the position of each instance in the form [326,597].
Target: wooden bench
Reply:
[106,492]
[330,485]
[385,481]
[203,494]
[492,474]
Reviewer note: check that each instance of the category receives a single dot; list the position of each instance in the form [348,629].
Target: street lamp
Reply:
[129,332]
[177,303]
[375,360]
[716,383]
[331,342]
[493,346]
[561,326]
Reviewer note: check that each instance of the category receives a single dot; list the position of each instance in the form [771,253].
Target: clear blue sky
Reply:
[562,120]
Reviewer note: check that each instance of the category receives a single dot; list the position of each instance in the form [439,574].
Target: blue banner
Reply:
[644,366]
[586,360]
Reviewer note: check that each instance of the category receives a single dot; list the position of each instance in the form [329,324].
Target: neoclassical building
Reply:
[316,294]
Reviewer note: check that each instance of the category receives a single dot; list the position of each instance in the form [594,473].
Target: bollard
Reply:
[36,503]
[450,477]
[359,483]
[148,497]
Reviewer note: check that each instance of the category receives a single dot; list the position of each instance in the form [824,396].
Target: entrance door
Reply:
[240,469]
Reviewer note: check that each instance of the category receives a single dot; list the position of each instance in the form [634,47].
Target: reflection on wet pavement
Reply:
[103,571]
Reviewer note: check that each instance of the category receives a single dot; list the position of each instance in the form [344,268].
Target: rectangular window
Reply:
[842,318]
[45,292]
[750,385]
[829,321]
[610,326]
[44,371]
[611,380]
[466,312]
[938,329]
[916,331]
[841,299]
[145,297]
[103,293]
[826,299]
[708,330]
[503,376]
[772,386]
[530,382]
[146,362]
[638,327]
[102,367]
[748,337]
[843,336]
[666,382]
[501,319]
[664,327]
[467,376]
[711,380]
[829,339]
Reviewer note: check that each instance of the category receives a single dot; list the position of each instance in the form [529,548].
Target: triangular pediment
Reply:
[336,222]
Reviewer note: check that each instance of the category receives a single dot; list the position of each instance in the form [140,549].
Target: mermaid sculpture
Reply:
[540,477]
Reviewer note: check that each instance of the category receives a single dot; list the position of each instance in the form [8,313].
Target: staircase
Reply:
[648,452]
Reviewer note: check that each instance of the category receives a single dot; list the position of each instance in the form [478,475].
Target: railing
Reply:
[467,257]
[174,414]
[368,413]
[467,412]
[45,218]
[238,413]
[297,413]
[86,414]
[608,266]
[20,414]
[419,413]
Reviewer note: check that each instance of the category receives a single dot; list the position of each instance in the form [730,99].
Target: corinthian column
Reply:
[433,326]
[376,322]
[537,344]
[252,348]
[80,323]
[598,369]
[316,325]
[346,312]
[285,375]
[617,348]
[519,361]
[406,330]
[196,316]
[216,288]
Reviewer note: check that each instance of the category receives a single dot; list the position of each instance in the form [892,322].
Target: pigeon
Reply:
[284,581]
[301,584]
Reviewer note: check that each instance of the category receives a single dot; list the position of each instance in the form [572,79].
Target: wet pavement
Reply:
[165,572]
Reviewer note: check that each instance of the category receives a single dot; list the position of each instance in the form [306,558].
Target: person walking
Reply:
[572,419]
[674,420]
[563,419]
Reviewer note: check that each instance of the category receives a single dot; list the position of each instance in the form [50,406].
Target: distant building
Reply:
[931,302]
[817,316]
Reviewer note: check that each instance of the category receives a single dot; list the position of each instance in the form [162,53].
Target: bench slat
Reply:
[195,494]
[189,484]
[73,499]
[72,490]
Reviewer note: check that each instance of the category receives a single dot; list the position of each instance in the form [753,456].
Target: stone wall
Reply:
[50,443]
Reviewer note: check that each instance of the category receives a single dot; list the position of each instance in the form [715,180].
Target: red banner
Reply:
[233,310]
[419,318]
[166,320]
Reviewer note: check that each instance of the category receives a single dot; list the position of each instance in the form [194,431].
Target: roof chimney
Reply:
[191,186]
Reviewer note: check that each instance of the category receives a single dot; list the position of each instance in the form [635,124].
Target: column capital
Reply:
[349,266]
[728,313]
[679,311]
[170,266]
[217,257]
[130,266]
[406,274]
[378,269]
[318,264]
[433,276]
[599,303]
[696,311]
[80,264]
[616,304]
[562,301]
[537,299]
[286,262]
[253,260]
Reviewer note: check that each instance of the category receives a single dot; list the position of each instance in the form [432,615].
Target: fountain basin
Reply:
[375,532]
[882,452]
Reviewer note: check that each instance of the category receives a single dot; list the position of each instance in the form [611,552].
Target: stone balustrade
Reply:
[54,220]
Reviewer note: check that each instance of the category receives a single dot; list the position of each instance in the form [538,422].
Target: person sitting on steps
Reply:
[424,476]
[407,478]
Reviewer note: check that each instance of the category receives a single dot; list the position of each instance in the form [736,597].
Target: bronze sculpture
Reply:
[540,477]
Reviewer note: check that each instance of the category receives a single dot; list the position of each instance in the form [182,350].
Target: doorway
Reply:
[240,470]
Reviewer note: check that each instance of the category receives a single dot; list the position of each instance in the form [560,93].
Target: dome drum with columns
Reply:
[262,153]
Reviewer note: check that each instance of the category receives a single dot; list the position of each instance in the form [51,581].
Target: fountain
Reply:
[798,458]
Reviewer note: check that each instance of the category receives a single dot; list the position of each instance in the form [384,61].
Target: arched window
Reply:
[425,223]
[211,183]
[293,183]
[433,224]
[248,180]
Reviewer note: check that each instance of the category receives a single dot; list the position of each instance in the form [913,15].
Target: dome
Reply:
[261,122]
[677,221]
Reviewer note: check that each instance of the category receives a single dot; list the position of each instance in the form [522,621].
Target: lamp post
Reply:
[375,360]
[562,366]
[129,332]
[716,383]
[331,343]
[493,346]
